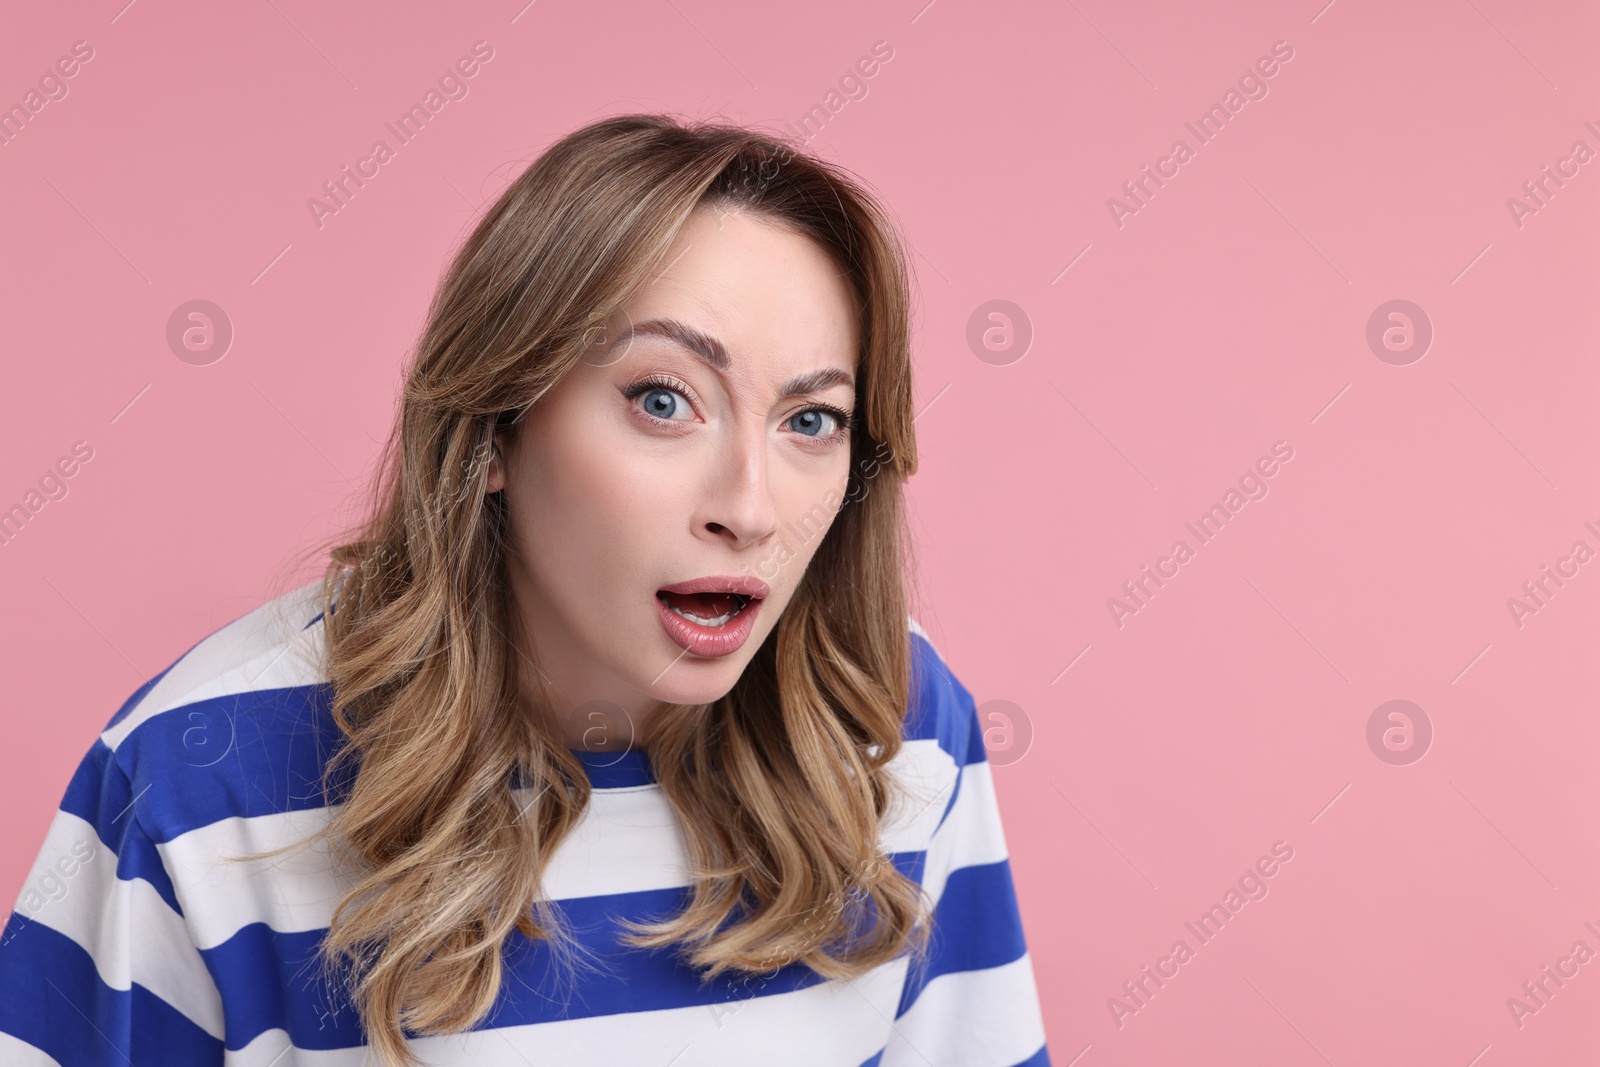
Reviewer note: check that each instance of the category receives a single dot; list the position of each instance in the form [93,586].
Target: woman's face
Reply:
[690,457]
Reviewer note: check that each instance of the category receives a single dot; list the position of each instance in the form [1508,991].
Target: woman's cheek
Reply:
[642,487]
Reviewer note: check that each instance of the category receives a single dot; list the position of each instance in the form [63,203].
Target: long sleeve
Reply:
[96,962]
[974,1003]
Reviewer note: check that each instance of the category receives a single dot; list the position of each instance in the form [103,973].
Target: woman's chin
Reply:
[683,678]
[697,683]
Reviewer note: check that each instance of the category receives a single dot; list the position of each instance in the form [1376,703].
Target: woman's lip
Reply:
[743,584]
[707,641]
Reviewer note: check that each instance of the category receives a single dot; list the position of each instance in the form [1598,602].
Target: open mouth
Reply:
[711,616]
[712,610]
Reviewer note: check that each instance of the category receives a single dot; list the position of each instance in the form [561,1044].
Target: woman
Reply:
[608,739]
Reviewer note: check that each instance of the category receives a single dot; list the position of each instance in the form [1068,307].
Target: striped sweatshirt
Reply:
[134,942]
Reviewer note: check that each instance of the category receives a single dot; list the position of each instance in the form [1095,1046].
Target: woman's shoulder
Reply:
[942,710]
[942,763]
[237,726]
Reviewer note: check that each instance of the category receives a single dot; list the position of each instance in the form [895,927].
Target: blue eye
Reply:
[664,403]
[810,422]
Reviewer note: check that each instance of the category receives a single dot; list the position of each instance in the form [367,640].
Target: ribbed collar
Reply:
[616,770]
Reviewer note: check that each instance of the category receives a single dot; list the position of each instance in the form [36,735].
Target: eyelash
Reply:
[644,385]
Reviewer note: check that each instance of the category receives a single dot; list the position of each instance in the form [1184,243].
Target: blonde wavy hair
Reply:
[780,785]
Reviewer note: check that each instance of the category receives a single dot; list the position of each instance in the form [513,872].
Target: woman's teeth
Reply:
[720,620]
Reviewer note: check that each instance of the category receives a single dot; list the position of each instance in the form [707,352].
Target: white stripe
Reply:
[831,1024]
[926,774]
[987,1018]
[292,892]
[15,1052]
[628,840]
[972,834]
[123,924]
[264,649]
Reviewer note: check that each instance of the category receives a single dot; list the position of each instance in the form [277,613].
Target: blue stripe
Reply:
[270,979]
[97,783]
[255,967]
[240,755]
[263,753]
[976,926]
[616,770]
[1038,1059]
[101,794]
[955,793]
[62,990]
[941,707]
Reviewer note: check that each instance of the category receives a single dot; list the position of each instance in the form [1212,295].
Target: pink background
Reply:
[1228,313]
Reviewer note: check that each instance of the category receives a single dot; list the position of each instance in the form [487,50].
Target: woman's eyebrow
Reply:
[815,381]
[715,353]
[703,345]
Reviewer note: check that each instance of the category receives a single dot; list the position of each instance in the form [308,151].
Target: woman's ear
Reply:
[497,467]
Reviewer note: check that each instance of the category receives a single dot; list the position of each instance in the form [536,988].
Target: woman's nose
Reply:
[739,503]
